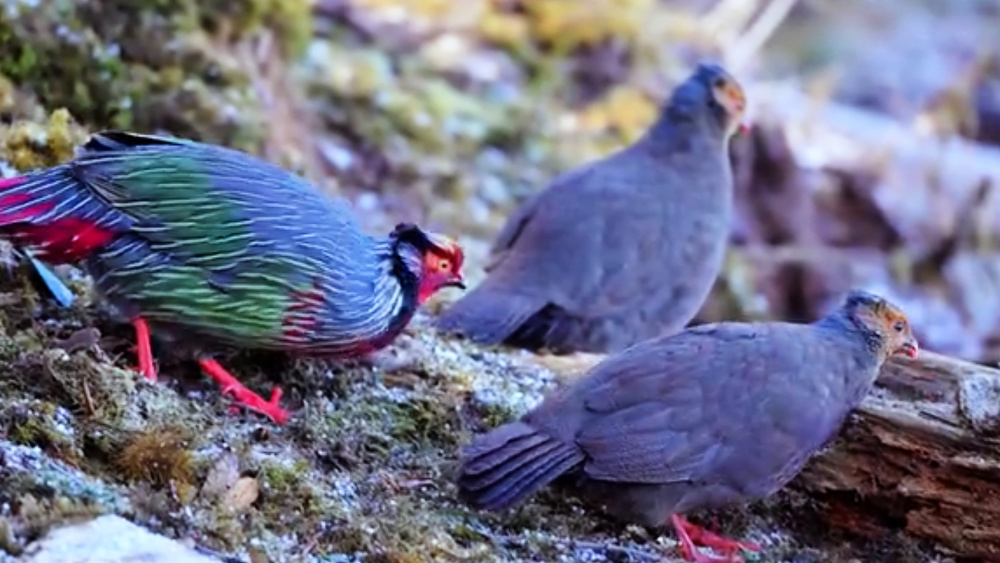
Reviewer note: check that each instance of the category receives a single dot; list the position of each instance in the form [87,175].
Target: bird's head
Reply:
[885,323]
[711,88]
[435,260]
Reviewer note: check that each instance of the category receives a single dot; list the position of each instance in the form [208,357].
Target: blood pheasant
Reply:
[622,249]
[207,242]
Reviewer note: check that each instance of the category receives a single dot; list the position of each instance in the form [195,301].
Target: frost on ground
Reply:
[361,473]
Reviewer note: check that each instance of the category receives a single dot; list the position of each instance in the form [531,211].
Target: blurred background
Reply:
[872,161]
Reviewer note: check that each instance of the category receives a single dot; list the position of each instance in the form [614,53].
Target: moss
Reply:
[291,20]
[159,456]
[42,424]
[297,500]
[101,392]
[412,106]
[112,65]
[507,30]
[493,415]
[39,47]
[425,421]
[283,477]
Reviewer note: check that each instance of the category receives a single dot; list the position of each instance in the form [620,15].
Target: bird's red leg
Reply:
[691,535]
[144,349]
[244,396]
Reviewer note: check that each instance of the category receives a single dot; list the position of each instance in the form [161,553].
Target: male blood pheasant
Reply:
[206,242]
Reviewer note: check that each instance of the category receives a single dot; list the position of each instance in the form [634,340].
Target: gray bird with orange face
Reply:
[715,415]
[620,250]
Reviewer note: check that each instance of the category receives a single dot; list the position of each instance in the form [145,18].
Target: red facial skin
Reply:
[442,268]
[899,332]
[730,95]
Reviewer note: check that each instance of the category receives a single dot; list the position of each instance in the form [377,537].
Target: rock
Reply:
[109,539]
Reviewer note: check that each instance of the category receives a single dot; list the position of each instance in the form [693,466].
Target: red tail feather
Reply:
[11,182]
[25,213]
[63,239]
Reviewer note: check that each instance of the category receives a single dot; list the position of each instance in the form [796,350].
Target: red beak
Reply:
[910,348]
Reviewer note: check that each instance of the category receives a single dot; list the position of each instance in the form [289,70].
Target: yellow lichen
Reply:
[506,30]
[566,24]
[625,111]
[290,19]
[27,145]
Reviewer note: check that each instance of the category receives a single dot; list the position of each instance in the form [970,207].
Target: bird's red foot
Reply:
[242,395]
[144,350]
[691,535]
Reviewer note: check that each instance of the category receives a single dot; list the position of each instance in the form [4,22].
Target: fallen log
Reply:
[921,454]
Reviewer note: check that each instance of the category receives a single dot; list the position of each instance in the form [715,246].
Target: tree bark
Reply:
[921,454]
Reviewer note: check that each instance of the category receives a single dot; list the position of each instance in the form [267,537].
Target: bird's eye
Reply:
[899,326]
[444,265]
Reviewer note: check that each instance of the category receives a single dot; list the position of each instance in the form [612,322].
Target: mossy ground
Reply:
[362,471]
[447,112]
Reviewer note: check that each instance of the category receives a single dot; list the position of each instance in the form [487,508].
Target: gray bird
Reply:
[622,249]
[715,415]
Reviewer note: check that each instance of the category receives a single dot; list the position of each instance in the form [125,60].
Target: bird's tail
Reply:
[505,466]
[111,140]
[51,214]
[488,315]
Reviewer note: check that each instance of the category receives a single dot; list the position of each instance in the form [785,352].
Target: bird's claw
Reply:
[689,553]
[699,557]
[690,535]
[148,372]
[243,396]
[249,400]
[708,539]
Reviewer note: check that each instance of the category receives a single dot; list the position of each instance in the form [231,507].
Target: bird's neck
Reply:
[397,285]
[679,131]
[856,328]
[869,356]
[684,124]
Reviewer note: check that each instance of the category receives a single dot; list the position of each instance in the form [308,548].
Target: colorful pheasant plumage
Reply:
[204,241]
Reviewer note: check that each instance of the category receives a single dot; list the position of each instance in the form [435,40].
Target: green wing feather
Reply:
[217,240]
